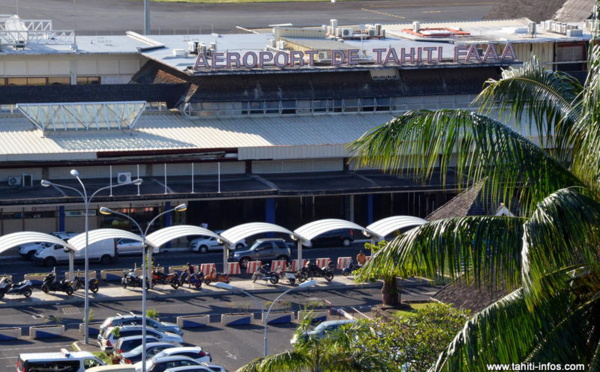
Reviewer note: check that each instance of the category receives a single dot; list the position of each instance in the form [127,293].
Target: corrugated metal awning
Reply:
[9,241]
[78,241]
[162,236]
[312,229]
[388,225]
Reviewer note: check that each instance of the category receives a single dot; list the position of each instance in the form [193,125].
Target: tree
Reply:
[391,343]
[549,256]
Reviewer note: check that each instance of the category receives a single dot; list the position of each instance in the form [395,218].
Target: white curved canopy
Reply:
[167,234]
[78,241]
[381,228]
[239,232]
[312,229]
[9,241]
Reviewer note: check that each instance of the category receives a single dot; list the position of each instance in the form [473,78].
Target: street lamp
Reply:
[310,283]
[86,201]
[144,233]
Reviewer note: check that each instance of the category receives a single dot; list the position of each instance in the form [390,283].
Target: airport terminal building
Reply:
[243,127]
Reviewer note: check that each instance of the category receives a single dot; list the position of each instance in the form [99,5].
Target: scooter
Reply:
[79,282]
[287,274]
[158,277]
[129,279]
[193,279]
[7,286]
[312,270]
[214,276]
[265,274]
[350,268]
[51,283]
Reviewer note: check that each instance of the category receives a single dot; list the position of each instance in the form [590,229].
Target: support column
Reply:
[370,209]
[61,219]
[270,210]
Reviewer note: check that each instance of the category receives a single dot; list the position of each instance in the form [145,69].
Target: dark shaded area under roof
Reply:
[169,93]
[543,10]
[319,85]
[248,185]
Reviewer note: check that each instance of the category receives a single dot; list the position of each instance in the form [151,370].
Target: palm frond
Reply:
[472,145]
[562,233]
[289,361]
[482,249]
[543,99]
[508,331]
[586,133]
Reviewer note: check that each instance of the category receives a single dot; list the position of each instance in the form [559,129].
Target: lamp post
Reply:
[144,233]
[86,201]
[310,283]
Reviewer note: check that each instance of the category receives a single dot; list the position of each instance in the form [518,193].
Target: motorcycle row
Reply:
[189,276]
[309,271]
[50,284]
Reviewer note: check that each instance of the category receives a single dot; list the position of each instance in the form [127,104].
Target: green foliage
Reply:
[415,341]
[152,314]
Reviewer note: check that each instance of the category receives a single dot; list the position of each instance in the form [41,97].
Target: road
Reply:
[18,266]
[116,16]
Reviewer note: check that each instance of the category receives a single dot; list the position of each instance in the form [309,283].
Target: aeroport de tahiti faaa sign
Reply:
[352,57]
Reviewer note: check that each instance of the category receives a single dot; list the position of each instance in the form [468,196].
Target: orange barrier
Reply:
[343,262]
[278,265]
[234,268]
[253,266]
[322,262]
[208,268]
[295,264]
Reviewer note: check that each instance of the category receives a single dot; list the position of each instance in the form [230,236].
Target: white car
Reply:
[194,352]
[203,367]
[204,244]
[29,250]
[108,339]
[163,363]
[129,247]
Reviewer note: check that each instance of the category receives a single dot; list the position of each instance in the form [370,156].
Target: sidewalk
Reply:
[114,292]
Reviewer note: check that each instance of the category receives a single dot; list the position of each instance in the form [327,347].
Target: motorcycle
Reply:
[312,270]
[51,283]
[131,280]
[350,268]
[193,279]
[287,274]
[7,286]
[79,282]
[214,276]
[158,277]
[266,275]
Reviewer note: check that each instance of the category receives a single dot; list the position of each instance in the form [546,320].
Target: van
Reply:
[103,251]
[113,368]
[64,361]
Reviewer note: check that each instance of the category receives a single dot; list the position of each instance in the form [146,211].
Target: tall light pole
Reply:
[310,283]
[143,233]
[86,201]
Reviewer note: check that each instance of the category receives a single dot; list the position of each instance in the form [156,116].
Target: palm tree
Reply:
[548,257]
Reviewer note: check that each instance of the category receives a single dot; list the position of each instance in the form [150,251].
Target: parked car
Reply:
[125,344]
[64,235]
[203,367]
[133,319]
[29,250]
[112,368]
[263,250]
[322,330]
[204,244]
[152,348]
[161,364]
[128,247]
[194,352]
[334,238]
[109,337]
[64,360]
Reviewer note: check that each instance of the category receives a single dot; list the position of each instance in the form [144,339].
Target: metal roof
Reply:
[240,232]
[388,225]
[78,242]
[9,241]
[21,141]
[312,229]
[162,236]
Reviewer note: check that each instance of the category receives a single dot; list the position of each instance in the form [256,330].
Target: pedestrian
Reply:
[361,258]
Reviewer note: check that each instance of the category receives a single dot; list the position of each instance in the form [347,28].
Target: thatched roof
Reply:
[543,10]
[463,204]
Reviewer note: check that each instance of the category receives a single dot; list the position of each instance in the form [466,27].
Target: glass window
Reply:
[272,107]
[59,80]
[16,81]
[37,81]
[288,107]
